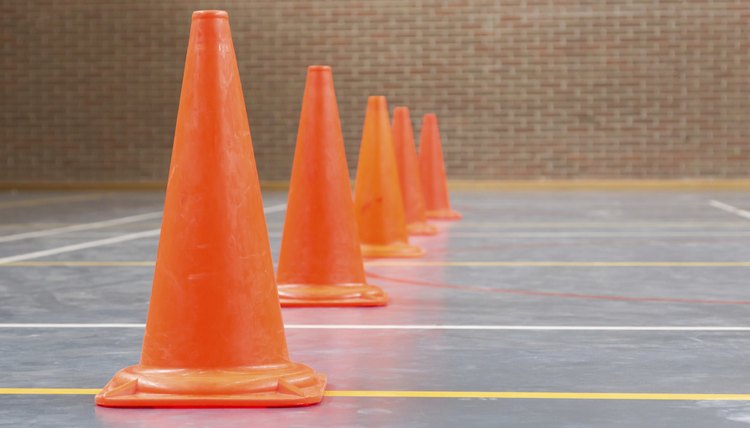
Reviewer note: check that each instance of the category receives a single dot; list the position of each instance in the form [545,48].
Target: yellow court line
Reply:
[621,184]
[49,391]
[50,200]
[406,263]
[571,184]
[451,394]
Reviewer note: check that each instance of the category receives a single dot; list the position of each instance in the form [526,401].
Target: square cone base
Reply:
[283,385]
[332,295]
[399,250]
[448,214]
[421,228]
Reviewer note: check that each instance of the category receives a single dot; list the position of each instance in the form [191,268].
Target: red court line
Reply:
[500,248]
[509,246]
[557,294]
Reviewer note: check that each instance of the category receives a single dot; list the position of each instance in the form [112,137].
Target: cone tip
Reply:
[377,102]
[208,14]
[319,68]
[401,110]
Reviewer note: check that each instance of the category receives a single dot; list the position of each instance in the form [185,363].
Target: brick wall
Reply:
[523,88]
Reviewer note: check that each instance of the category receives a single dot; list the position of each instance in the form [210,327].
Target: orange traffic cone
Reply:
[377,197]
[432,169]
[214,335]
[408,174]
[320,263]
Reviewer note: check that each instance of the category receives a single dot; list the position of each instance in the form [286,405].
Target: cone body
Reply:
[214,334]
[408,173]
[320,263]
[377,196]
[432,169]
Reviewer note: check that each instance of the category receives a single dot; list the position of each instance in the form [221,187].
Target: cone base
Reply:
[446,214]
[421,229]
[301,295]
[283,385]
[394,250]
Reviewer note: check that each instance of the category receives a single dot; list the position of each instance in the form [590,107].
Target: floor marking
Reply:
[501,225]
[384,263]
[730,209]
[553,264]
[50,200]
[135,227]
[510,327]
[71,325]
[275,208]
[49,391]
[38,225]
[81,246]
[558,294]
[596,225]
[81,226]
[591,328]
[542,395]
[594,234]
[101,242]
[452,394]
[75,263]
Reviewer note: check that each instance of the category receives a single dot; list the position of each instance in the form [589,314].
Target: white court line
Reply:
[81,246]
[551,235]
[730,209]
[71,325]
[404,327]
[24,202]
[101,242]
[570,235]
[102,224]
[274,208]
[509,327]
[81,226]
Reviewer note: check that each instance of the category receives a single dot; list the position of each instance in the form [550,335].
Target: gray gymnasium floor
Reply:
[564,308]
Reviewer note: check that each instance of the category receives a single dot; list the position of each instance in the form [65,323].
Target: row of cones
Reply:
[214,333]
[326,234]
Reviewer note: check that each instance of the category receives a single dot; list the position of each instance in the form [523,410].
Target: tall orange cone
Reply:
[214,335]
[432,169]
[408,174]
[320,263]
[377,196]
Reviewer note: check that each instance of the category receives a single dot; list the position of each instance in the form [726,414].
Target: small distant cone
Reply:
[377,196]
[214,335]
[320,263]
[432,169]
[408,174]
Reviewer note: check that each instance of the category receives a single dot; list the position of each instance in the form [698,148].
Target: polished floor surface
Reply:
[539,308]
